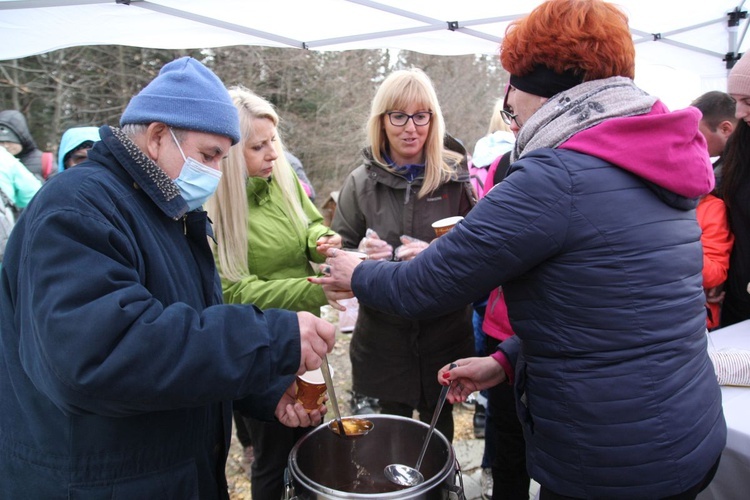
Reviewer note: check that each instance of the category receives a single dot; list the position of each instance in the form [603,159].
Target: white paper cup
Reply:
[442,226]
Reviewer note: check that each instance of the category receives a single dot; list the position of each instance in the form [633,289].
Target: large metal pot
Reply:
[323,465]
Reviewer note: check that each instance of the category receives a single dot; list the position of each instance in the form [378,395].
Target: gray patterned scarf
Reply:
[580,108]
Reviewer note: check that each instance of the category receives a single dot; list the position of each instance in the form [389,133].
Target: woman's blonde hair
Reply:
[399,90]
[228,207]
[496,120]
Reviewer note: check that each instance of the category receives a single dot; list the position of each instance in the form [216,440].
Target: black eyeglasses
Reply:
[399,118]
[509,117]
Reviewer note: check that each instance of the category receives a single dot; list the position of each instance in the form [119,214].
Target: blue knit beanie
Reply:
[186,95]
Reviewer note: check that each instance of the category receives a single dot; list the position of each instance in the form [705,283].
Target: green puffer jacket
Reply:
[393,358]
[278,258]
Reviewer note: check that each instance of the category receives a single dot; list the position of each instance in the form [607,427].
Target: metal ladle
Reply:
[404,475]
[356,426]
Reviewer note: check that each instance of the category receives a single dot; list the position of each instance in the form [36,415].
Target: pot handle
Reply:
[456,491]
[289,493]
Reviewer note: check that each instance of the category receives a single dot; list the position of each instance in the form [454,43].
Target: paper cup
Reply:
[442,226]
[311,389]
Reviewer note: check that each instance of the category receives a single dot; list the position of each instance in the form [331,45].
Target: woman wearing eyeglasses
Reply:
[412,174]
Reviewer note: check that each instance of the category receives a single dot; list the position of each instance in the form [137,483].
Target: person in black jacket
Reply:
[735,191]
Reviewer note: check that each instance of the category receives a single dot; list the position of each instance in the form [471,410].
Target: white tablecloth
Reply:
[732,481]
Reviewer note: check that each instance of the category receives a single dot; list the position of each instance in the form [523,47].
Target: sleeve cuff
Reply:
[500,357]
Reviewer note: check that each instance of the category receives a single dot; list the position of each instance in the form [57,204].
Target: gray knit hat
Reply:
[186,95]
[739,78]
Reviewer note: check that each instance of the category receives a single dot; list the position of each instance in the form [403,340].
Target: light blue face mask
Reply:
[196,181]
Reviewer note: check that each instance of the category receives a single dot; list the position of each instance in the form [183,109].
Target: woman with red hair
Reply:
[594,239]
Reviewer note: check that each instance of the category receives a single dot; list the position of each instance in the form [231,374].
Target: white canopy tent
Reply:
[681,44]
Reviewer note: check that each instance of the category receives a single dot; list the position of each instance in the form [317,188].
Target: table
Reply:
[732,480]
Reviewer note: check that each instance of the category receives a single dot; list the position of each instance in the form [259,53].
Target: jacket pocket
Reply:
[177,482]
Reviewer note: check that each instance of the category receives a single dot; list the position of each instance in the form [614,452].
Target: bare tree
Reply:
[323,98]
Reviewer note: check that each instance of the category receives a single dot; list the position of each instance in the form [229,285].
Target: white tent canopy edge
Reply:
[681,45]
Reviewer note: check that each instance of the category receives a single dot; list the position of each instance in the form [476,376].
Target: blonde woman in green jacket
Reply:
[267,232]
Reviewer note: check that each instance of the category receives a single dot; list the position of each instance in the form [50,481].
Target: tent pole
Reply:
[735,17]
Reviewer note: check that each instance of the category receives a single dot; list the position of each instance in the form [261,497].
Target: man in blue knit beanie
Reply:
[120,363]
[186,95]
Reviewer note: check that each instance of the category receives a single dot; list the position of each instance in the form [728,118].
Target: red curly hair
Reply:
[590,37]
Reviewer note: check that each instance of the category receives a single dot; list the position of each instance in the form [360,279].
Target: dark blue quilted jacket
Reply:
[602,277]
[118,366]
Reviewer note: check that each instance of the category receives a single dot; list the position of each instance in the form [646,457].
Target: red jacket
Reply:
[717,241]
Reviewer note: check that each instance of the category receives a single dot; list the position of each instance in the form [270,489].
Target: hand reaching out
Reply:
[333,295]
[470,375]
[337,282]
